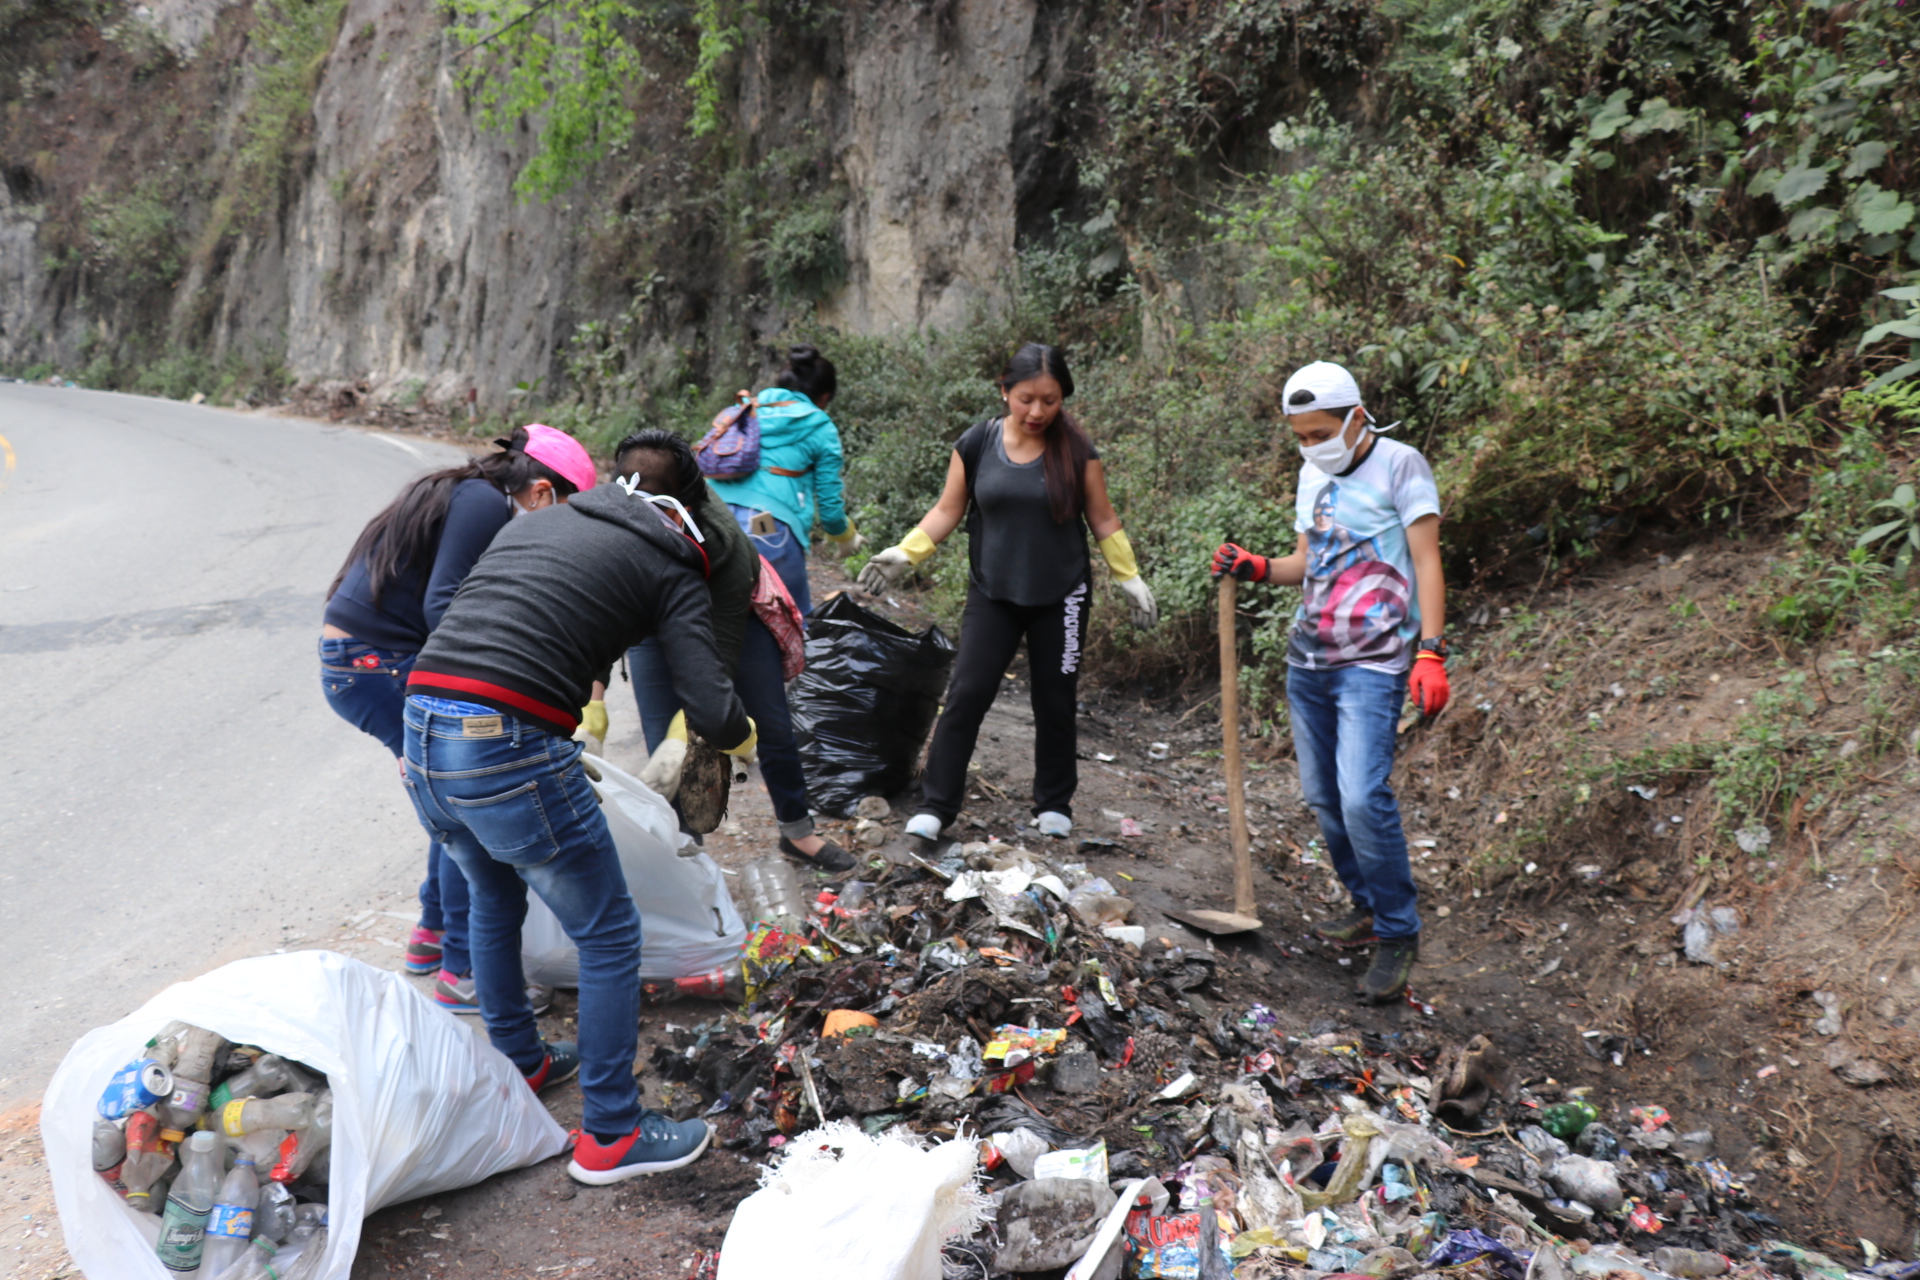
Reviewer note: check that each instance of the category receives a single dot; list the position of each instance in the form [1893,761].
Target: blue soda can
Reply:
[140,1083]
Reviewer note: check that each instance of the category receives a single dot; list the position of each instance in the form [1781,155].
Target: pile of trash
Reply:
[229,1145]
[1127,1116]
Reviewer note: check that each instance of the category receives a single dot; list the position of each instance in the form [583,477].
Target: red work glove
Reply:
[1427,686]
[1239,562]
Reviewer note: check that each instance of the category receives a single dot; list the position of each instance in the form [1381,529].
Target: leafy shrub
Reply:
[136,237]
[803,254]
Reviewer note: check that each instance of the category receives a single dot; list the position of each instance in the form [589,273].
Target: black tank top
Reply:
[1017,551]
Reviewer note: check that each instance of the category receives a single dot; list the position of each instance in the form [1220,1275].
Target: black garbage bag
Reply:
[864,705]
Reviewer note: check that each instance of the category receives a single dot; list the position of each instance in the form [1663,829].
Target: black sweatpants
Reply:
[990,635]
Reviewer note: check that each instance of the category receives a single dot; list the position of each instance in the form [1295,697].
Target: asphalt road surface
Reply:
[175,792]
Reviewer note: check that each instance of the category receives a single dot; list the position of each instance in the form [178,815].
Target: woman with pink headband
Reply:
[390,595]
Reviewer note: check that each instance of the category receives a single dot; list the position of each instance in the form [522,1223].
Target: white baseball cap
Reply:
[1320,385]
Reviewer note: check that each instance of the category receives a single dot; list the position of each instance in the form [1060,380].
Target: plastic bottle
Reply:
[183,1228]
[243,1116]
[1609,1260]
[273,1221]
[278,1262]
[262,1145]
[230,1225]
[109,1149]
[310,1257]
[1565,1120]
[773,893]
[1689,1264]
[265,1078]
[191,1074]
[305,1143]
[148,1156]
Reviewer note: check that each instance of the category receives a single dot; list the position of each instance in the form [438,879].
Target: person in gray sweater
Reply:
[492,767]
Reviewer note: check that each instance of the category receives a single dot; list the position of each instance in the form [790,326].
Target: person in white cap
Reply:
[1369,633]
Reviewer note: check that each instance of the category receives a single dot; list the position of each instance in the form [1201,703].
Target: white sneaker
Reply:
[924,825]
[1054,824]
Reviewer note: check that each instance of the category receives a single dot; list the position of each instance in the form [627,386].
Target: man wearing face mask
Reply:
[492,767]
[1368,634]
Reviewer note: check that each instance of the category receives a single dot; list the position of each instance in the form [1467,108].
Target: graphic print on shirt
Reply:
[1358,605]
[1354,593]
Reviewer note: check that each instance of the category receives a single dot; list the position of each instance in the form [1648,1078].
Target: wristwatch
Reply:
[1437,645]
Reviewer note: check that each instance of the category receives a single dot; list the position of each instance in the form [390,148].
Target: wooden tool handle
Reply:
[1230,744]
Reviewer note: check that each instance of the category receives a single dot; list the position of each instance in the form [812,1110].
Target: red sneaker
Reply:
[655,1146]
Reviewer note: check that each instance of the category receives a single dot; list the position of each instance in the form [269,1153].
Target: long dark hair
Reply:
[809,373]
[409,529]
[672,472]
[1067,446]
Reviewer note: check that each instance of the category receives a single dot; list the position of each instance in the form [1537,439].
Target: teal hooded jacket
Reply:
[795,435]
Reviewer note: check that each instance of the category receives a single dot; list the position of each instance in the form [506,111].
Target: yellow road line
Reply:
[6,476]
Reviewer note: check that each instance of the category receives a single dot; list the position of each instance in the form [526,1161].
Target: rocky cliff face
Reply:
[397,254]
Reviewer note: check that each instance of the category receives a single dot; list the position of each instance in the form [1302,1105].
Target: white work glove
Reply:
[850,545]
[661,773]
[1140,606]
[884,569]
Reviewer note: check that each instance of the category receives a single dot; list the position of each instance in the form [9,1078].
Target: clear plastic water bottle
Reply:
[148,1156]
[109,1149]
[250,1115]
[269,1076]
[1689,1264]
[230,1225]
[773,893]
[183,1228]
[280,1262]
[191,1075]
[312,1258]
[306,1142]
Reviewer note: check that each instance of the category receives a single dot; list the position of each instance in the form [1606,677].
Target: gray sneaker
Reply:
[456,994]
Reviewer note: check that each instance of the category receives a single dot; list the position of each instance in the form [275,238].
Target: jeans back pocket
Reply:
[511,826]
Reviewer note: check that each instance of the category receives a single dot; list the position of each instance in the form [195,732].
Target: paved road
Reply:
[174,791]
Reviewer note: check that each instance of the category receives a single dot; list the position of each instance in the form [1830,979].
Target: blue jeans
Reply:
[1344,726]
[515,809]
[757,679]
[786,551]
[370,699]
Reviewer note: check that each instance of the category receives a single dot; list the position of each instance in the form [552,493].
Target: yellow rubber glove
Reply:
[1119,555]
[593,718]
[746,749]
[885,567]
[848,542]
[917,545]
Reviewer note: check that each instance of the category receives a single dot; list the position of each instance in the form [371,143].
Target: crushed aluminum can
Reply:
[140,1083]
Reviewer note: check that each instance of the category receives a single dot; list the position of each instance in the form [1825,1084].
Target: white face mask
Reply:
[632,485]
[1334,455]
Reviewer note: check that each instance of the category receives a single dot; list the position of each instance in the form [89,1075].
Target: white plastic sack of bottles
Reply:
[421,1104]
[688,923]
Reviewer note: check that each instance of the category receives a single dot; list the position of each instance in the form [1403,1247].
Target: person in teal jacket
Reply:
[799,475]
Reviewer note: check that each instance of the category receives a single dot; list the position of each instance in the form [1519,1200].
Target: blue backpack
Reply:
[731,448]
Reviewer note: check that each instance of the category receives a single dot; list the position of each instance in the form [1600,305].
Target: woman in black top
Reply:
[1029,485]
[391,593]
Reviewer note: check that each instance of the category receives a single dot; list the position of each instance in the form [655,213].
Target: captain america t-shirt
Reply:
[1358,605]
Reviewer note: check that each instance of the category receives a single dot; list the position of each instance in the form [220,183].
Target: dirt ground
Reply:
[1560,946]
